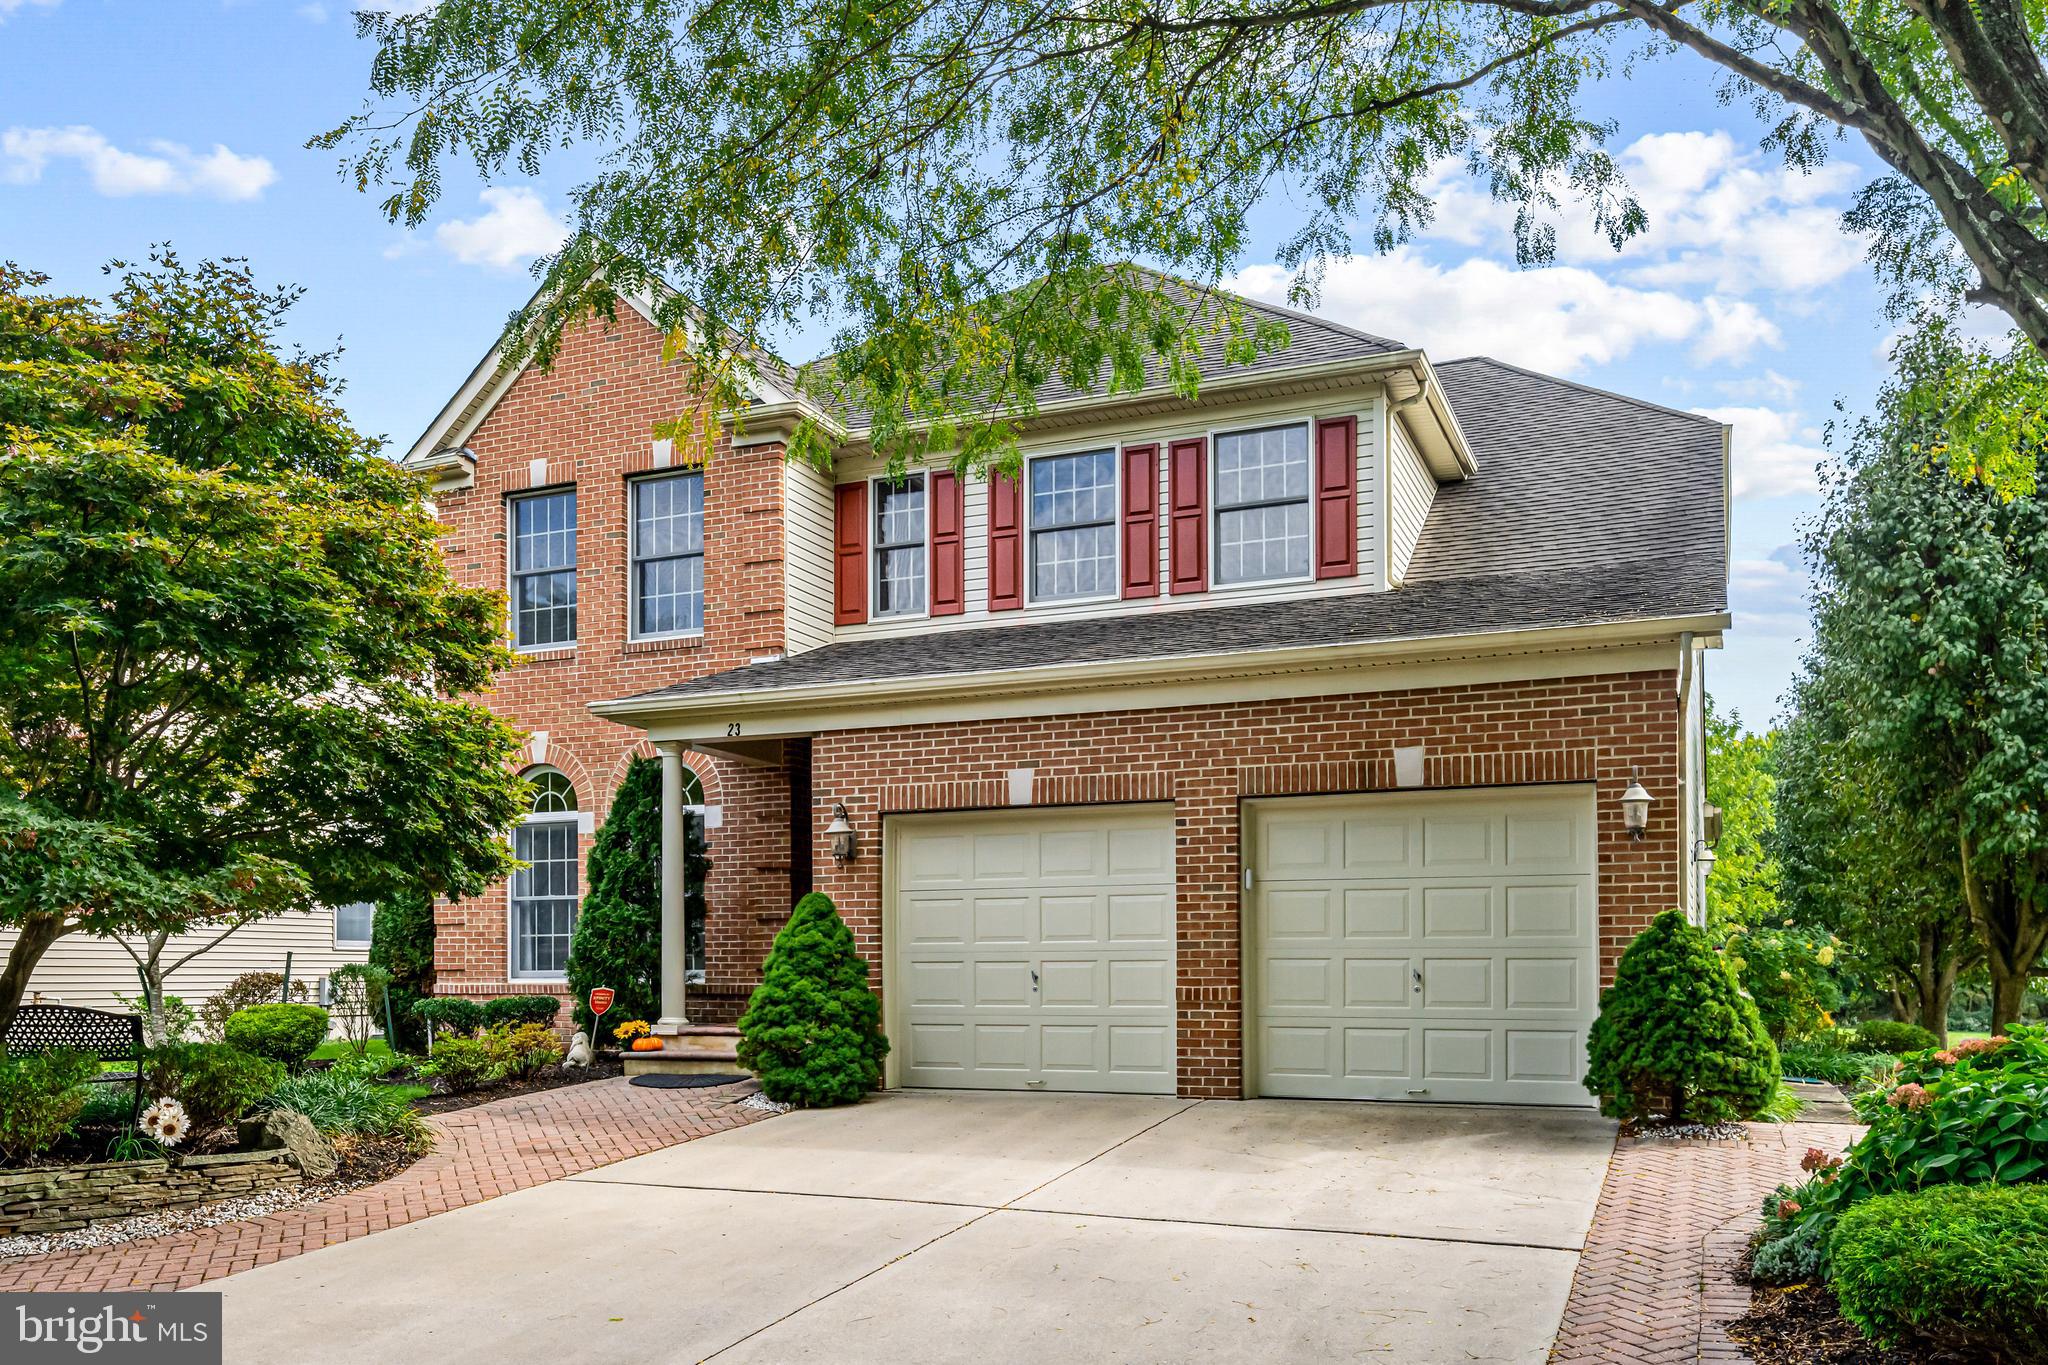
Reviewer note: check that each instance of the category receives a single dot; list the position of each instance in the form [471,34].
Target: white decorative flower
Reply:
[166,1121]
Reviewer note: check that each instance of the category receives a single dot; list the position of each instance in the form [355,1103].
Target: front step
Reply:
[693,1050]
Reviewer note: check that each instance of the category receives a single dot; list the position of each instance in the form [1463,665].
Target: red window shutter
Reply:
[1005,544]
[1337,497]
[850,554]
[1188,530]
[948,548]
[1141,521]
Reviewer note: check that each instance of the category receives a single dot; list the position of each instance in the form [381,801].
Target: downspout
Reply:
[1689,800]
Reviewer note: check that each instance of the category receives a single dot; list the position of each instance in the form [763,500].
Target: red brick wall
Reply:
[1207,759]
[591,416]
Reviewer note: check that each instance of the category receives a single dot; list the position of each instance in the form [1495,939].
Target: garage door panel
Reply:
[1487,895]
[1034,950]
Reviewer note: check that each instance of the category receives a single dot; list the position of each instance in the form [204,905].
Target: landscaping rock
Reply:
[293,1131]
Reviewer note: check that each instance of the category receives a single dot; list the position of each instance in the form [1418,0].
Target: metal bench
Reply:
[110,1037]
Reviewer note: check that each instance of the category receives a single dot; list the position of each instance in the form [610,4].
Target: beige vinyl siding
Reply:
[80,969]
[806,558]
[1365,404]
[1411,489]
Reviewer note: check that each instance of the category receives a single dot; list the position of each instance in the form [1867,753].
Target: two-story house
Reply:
[1271,743]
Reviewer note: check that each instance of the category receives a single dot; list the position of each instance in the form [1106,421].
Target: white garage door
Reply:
[1434,947]
[1034,950]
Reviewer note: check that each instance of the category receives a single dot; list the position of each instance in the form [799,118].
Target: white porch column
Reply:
[674,940]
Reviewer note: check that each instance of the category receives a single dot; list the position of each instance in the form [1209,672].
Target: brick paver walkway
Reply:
[1652,1285]
[479,1153]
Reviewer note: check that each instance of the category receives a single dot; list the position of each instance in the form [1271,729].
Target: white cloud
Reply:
[1559,319]
[1769,596]
[166,168]
[1768,387]
[516,227]
[8,7]
[1733,330]
[313,13]
[1773,453]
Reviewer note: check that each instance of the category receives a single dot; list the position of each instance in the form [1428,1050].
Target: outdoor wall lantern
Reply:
[1703,854]
[845,842]
[1635,808]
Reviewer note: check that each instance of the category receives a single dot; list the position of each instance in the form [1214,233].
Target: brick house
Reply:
[1267,744]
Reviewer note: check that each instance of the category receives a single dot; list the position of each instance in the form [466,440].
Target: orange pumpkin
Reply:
[647,1045]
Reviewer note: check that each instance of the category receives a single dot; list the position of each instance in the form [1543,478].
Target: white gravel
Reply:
[114,1231]
[1692,1132]
[757,1100]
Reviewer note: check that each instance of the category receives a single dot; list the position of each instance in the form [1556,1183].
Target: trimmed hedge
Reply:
[286,1034]
[1958,1268]
[450,1014]
[521,1009]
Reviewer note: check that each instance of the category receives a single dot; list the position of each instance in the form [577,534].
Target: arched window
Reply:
[693,787]
[546,892]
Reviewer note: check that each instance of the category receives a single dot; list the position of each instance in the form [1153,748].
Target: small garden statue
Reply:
[579,1051]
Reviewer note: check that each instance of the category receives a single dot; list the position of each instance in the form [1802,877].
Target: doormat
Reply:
[658,1081]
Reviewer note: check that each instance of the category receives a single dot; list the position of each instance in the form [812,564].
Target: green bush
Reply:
[463,1063]
[217,1083]
[1675,1036]
[355,1000]
[518,1051]
[450,1014]
[250,988]
[521,1009]
[284,1033]
[402,943]
[1962,1270]
[813,1030]
[1894,1037]
[1975,1114]
[40,1096]
[342,1104]
[1789,973]
[617,942]
[1807,1061]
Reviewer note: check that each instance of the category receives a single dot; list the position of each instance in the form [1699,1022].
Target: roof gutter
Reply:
[648,709]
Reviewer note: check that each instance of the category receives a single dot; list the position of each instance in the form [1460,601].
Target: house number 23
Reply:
[732,730]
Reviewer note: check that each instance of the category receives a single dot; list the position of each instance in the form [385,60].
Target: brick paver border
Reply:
[479,1153]
[1653,1284]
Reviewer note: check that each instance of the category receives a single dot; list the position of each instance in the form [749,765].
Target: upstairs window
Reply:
[1073,526]
[544,570]
[352,924]
[1262,505]
[899,546]
[668,555]
[546,892]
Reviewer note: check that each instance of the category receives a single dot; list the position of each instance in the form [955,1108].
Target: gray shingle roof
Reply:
[1588,508]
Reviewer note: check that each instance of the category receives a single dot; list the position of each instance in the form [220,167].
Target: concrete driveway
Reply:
[944,1226]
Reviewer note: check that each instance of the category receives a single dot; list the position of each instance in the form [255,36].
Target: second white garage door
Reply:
[1436,947]
[1033,950]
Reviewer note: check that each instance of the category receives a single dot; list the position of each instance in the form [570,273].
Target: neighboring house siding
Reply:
[82,970]
[1365,406]
[1410,490]
[1208,759]
[807,561]
[591,418]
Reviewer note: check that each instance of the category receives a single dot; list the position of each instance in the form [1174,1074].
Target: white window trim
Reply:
[874,555]
[334,929]
[1116,526]
[633,634]
[585,822]
[1216,508]
[512,568]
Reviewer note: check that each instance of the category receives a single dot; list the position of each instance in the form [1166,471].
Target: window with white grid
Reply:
[545,893]
[668,555]
[544,570]
[1073,526]
[899,546]
[1262,505]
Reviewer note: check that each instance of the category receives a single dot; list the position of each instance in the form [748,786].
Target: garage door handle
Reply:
[1034,981]
[1417,973]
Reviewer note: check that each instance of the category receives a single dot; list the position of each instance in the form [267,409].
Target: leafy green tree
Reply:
[226,630]
[1859,862]
[402,943]
[1675,1036]
[1742,887]
[952,181]
[617,942]
[813,1030]
[1933,609]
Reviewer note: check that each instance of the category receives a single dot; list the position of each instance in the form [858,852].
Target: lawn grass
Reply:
[334,1049]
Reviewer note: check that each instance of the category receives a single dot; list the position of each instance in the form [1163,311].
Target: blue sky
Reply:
[1744,299]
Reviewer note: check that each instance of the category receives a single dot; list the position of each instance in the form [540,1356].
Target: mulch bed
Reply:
[549,1078]
[1802,1325]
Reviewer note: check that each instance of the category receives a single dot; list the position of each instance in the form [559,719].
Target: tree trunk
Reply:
[38,932]
[1934,984]
[2014,931]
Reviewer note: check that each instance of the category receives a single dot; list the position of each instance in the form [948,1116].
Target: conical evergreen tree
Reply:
[617,942]
[813,1030]
[1676,1035]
